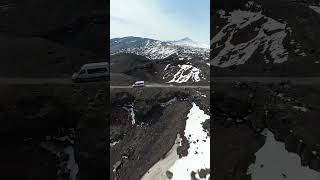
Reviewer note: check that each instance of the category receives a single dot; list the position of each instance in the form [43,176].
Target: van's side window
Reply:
[82,71]
[97,70]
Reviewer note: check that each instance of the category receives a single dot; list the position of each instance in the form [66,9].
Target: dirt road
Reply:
[294,80]
[163,86]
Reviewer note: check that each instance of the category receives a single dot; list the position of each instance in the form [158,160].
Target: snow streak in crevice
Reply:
[131,114]
[315,8]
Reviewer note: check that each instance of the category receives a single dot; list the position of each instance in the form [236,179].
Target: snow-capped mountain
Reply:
[156,49]
[256,32]
[160,61]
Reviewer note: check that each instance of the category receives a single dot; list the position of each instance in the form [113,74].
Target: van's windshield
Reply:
[82,71]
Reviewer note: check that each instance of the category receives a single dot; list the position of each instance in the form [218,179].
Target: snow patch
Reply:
[64,138]
[166,67]
[132,115]
[299,108]
[199,151]
[273,161]
[302,54]
[168,102]
[114,143]
[71,163]
[158,171]
[249,4]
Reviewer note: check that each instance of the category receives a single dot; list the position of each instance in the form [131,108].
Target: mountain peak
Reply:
[186,39]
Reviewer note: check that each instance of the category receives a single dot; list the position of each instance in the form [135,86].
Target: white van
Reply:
[138,84]
[92,71]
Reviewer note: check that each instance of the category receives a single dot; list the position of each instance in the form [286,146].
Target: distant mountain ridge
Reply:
[156,49]
[189,42]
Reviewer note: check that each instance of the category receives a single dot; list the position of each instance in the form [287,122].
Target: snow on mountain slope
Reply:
[241,52]
[184,74]
[250,35]
[155,49]
[175,69]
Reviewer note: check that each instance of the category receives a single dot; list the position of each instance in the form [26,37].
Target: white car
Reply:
[92,71]
[138,84]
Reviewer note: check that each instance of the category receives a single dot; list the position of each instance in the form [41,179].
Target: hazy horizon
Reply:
[153,38]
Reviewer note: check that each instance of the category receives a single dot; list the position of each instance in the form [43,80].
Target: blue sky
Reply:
[161,19]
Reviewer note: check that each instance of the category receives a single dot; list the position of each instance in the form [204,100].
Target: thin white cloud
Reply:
[144,18]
